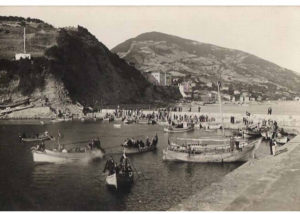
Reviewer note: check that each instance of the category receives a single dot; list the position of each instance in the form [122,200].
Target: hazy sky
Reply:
[272,33]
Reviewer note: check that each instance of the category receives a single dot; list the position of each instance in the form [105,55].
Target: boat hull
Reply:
[111,180]
[178,130]
[246,153]
[129,151]
[49,156]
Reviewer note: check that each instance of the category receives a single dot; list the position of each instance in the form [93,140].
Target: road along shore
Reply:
[268,184]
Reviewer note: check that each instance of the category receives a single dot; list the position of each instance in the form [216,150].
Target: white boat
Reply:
[212,126]
[162,123]
[111,180]
[117,126]
[108,119]
[216,154]
[172,129]
[50,156]
[129,121]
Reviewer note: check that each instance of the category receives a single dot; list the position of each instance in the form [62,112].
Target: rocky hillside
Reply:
[82,66]
[202,63]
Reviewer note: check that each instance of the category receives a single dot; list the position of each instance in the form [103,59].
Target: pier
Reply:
[267,184]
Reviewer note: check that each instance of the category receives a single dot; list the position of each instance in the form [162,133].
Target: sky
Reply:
[272,33]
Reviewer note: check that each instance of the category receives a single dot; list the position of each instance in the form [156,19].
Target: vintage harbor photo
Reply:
[149,108]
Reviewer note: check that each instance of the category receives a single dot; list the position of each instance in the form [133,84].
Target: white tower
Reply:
[23,55]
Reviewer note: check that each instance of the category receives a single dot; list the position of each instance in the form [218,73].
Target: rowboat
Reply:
[215,154]
[211,126]
[138,146]
[162,123]
[282,140]
[172,129]
[250,133]
[136,150]
[119,176]
[119,180]
[108,119]
[117,125]
[129,121]
[51,156]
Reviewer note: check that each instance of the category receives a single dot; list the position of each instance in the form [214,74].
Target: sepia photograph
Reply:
[149,108]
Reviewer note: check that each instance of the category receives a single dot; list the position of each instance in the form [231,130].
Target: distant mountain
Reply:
[88,72]
[202,63]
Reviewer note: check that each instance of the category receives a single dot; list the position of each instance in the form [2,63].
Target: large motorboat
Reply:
[203,153]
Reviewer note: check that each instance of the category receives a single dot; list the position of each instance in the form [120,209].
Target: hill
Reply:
[84,70]
[202,63]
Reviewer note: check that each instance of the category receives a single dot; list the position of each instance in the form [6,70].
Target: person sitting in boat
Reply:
[97,143]
[155,140]
[110,166]
[41,146]
[147,142]
[232,141]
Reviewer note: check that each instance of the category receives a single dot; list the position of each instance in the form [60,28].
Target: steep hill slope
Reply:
[88,72]
[204,63]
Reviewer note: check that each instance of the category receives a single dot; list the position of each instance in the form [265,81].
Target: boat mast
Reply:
[24,39]
[220,104]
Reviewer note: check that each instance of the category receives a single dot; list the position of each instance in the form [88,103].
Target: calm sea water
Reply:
[158,185]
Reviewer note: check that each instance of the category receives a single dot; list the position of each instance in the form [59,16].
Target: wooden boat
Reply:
[211,126]
[162,123]
[120,176]
[134,147]
[108,119]
[51,156]
[217,154]
[250,133]
[172,129]
[133,150]
[117,125]
[129,121]
[282,140]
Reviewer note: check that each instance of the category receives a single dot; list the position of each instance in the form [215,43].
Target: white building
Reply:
[19,56]
[236,92]
[209,84]
[162,78]
[225,88]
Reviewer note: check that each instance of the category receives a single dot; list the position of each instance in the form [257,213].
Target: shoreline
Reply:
[257,185]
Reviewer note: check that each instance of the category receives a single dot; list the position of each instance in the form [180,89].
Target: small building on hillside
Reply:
[162,78]
[236,92]
[209,84]
[224,88]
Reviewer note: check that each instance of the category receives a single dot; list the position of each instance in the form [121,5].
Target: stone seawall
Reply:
[268,184]
[287,121]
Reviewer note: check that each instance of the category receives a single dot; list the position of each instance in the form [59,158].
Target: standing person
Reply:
[271,144]
[232,143]
[274,147]
[199,109]
[270,110]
